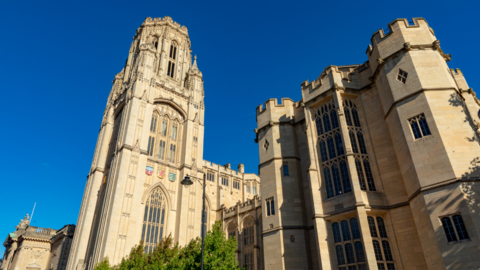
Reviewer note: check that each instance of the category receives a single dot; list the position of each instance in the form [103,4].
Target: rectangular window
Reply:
[402,76]
[224,181]
[248,188]
[454,228]
[153,124]
[270,205]
[161,149]
[174,132]
[254,188]
[419,126]
[285,169]
[172,153]
[163,131]
[211,177]
[236,185]
[151,143]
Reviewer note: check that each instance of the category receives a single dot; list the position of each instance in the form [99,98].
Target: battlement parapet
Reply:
[167,20]
[270,104]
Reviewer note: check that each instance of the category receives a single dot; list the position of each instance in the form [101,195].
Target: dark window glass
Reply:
[359,252]
[353,142]
[345,231]
[390,266]
[331,148]
[381,266]
[333,117]
[323,151]
[378,251]
[368,173]
[345,177]
[361,142]
[318,122]
[326,122]
[328,182]
[273,207]
[285,170]
[339,142]
[355,229]
[349,253]
[447,226]
[352,267]
[361,179]
[356,120]
[371,225]
[424,126]
[340,256]
[387,251]
[174,52]
[336,180]
[381,227]
[362,267]
[460,226]
[415,129]
[336,232]
[347,116]
[268,208]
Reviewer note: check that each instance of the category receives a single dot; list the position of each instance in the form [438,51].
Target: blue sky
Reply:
[59,59]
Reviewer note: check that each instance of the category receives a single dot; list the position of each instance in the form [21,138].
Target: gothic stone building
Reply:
[376,167]
[35,248]
[150,138]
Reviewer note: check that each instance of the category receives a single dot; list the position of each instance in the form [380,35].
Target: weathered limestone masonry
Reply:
[150,138]
[376,167]
[35,248]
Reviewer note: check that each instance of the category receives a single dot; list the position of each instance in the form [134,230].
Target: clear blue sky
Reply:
[59,59]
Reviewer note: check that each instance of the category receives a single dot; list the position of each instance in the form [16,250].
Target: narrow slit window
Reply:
[328,182]
[336,180]
[285,169]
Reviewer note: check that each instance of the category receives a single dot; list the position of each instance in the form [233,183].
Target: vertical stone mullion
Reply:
[367,238]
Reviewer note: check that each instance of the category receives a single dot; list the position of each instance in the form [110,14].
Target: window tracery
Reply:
[359,147]
[348,245]
[154,220]
[381,244]
[248,243]
[332,150]
[172,60]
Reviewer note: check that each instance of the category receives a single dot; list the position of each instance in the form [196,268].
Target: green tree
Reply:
[219,254]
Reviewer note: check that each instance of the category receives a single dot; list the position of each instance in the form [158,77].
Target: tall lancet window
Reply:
[154,220]
[171,61]
[332,150]
[359,146]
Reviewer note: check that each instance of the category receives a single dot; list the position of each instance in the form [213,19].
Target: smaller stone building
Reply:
[35,248]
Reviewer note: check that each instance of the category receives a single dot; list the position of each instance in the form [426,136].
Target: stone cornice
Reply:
[284,228]
[275,158]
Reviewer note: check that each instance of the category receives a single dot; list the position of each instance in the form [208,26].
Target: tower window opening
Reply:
[457,232]
[419,126]
[402,76]
[270,206]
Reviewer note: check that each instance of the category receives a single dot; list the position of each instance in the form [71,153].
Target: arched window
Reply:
[336,232]
[387,251]
[359,252]
[361,142]
[339,143]
[326,122]
[345,177]
[355,229]
[345,231]
[340,256]
[331,148]
[369,174]
[381,227]
[347,116]
[378,250]
[328,182]
[333,117]
[349,253]
[171,61]
[336,180]
[323,151]
[361,179]
[248,242]
[154,219]
[318,122]
[353,142]
[153,124]
[232,230]
[371,225]
[356,120]
[163,130]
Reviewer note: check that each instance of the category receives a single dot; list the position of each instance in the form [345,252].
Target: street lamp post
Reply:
[187,182]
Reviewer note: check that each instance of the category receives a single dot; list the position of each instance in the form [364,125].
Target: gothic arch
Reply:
[248,216]
[164,190]
[155,217]
[172,103]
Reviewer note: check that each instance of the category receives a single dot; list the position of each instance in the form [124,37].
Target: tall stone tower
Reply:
[151,136]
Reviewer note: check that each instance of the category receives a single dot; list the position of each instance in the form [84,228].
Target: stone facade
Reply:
[35,248]
[376,167]
[150,138]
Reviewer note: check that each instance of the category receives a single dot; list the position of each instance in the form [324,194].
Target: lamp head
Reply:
[186,181]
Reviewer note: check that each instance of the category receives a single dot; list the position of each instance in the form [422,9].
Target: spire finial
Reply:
[194,66]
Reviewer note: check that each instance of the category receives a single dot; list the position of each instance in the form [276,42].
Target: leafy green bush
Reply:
[219,254]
